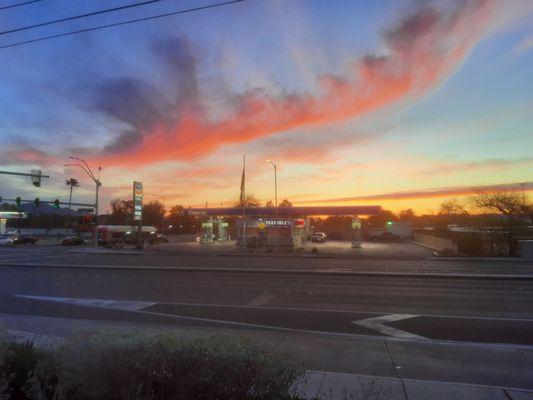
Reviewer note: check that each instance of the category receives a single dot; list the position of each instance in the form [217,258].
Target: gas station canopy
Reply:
[12,215]
[287,211]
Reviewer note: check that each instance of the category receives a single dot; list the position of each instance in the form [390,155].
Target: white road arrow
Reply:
[378,324]
[110,304]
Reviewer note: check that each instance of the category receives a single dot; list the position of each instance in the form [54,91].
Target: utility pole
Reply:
[84,166]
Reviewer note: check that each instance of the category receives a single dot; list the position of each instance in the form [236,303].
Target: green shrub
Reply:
[157,367]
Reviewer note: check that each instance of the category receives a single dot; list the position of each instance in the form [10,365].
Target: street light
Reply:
[96,179]
[275,186]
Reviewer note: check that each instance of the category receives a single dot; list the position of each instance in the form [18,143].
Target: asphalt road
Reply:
[59,255]
[455,309]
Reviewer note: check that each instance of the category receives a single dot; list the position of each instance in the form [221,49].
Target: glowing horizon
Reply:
[400,105]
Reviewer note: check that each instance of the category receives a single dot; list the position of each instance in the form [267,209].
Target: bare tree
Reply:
[452,207]
[407,215]
[502,201]
[250,202]
[285,203]
[510,205]
[154,214]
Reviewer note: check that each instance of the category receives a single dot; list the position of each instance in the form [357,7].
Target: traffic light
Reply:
[36,202]
[56,203]
[36,177]
[18,201]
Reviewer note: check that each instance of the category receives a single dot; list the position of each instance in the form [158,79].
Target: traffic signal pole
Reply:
[53,202]
[38,175]
[84,166]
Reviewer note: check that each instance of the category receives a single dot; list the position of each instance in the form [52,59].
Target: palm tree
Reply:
[72,183]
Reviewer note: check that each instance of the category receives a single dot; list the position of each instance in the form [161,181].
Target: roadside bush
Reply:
[17,364]
[116,367]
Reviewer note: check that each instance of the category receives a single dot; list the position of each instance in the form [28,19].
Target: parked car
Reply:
[320,237]
[160,238]
[25,239]
[73,241]
[7,240]
[386,237]
[444,253]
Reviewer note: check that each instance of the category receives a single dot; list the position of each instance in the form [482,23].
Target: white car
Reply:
[7,240]
[320,237]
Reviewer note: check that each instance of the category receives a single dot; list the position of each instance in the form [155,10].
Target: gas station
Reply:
[5,215]
[287,227]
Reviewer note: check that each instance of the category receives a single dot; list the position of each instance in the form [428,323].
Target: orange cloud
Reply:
[421,51]
[427,193]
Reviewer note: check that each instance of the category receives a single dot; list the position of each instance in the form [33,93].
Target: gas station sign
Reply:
[137,200]
[278,223]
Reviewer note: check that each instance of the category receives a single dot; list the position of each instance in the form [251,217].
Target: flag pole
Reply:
[243,198]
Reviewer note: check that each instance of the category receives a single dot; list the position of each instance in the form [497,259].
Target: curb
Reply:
[355,377]
[330,256]
[317,256]
[495,259]
[119,252]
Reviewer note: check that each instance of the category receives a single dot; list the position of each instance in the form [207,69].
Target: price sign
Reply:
[137,200]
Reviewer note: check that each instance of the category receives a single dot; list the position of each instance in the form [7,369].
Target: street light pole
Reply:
[97,182]
[275,186]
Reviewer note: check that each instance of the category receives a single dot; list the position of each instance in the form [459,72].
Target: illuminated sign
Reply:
[198,212]
[277,223]
[137,201]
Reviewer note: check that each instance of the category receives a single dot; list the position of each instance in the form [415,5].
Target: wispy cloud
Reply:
[525,45]
[427,193]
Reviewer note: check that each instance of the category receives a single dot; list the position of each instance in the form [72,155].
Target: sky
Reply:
[402,104]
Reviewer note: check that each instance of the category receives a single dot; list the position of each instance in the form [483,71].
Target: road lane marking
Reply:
[34,258]
[100,303]
[329,310]
[262,299]
[378,324]
[408,337]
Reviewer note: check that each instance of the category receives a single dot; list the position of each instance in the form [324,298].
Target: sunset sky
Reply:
[395,103]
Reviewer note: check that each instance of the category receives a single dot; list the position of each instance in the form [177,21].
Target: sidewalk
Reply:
[333,385]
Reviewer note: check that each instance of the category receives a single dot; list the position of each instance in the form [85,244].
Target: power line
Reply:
[19,4]
[131,21]
[99,12]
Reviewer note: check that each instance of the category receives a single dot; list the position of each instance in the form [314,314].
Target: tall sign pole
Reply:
[243,200]
[138,209]
[98,184]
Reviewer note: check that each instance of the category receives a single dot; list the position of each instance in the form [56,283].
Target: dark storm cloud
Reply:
[125,141]
[177,56]
[141,105]
[129,100]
